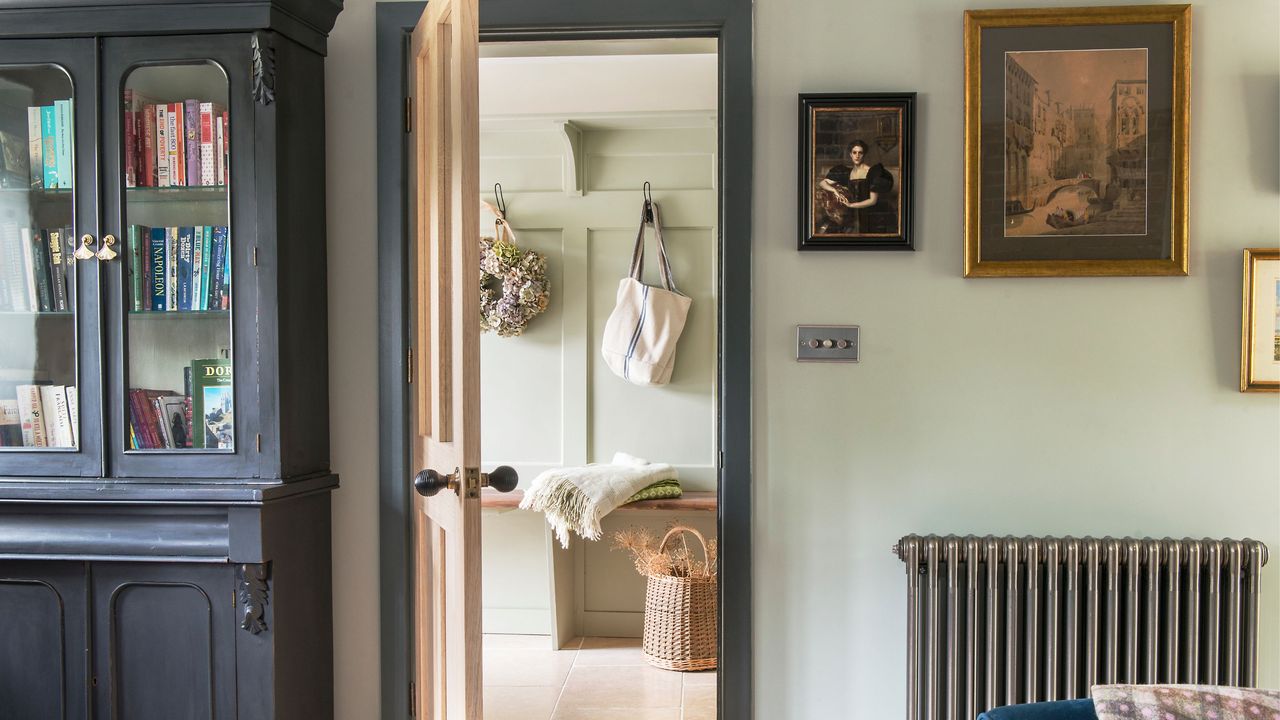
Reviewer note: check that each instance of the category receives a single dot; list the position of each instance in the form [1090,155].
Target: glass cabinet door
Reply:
[175,288]
[48,360]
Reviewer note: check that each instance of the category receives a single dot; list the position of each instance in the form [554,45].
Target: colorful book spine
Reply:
[137,265]
[148,168]
[57,275]
[218,255]
[197,270]
[157,265]
[31,413]
[130,141]
[49,136]
[66,131]
[205,268]
[171,269]
[208,160]
[35,148]
[177,146]
[186,240]
[218,140]
[212,413]
[162,146]
[191,131]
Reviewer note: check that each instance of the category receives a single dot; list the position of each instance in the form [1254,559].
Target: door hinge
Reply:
[720,459]
[413,699]
[408,114]
[258,441]
[409,363]
[255,256]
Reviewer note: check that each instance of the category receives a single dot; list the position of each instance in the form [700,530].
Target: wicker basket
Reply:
[680,617]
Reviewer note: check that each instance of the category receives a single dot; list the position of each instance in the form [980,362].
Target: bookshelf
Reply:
[164,435]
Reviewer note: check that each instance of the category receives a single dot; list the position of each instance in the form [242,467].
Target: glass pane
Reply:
[176,161]
[38,393]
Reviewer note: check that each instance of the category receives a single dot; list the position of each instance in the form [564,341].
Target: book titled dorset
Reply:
[212,404]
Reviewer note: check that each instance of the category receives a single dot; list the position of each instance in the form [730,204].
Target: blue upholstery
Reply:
[1057,710]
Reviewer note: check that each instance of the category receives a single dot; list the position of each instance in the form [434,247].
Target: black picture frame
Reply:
[830,124]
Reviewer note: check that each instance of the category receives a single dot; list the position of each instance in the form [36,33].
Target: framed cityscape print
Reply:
[1076,141]
[1260,331]
[855,171]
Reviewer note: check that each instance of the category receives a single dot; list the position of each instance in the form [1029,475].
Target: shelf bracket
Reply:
[572,168]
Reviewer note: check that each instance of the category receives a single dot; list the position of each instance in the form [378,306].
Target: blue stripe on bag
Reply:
[635,336]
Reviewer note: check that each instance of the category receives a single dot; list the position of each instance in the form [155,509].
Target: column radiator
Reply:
[1000,621]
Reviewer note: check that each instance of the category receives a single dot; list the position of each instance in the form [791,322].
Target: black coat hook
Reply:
[502,203]
[648,202]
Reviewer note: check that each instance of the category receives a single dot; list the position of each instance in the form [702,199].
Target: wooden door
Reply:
[446,394]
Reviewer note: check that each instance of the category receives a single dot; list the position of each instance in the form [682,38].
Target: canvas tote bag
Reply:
[642,331]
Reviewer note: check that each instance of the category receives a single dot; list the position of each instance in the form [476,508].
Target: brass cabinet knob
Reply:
[85,251]
[107,251]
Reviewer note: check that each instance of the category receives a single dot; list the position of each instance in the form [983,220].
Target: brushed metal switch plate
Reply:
[827,343]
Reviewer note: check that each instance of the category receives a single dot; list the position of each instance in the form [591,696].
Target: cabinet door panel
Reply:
[43,640]
[180,297]
[163,641]
[49,357]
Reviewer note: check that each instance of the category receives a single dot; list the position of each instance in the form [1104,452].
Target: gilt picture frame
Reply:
[855,171]
[1260,321]
[1076,141]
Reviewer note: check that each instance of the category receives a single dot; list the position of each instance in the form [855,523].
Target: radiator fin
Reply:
[1000,621]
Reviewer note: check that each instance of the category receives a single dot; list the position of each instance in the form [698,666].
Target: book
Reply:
[162,145]
[29,269]
[217,150]
[186,240]
[173,420]
[31,414]
[63,147]
[130,140]
[40,267]
[212,404]
[218,250]
[57,270]
[13,270]
[138,236]
[176,146]
[191,131]
[197,272]
[10,424]
[205,268]
[57,419]
[149,167]
[226,147]
[35,146]
[208,161]
[48,136]
[73,408]
[171,269]
[158,268]
[14,152]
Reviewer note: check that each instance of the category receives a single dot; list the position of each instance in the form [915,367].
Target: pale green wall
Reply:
[1104,406]
[1027,406]
[547,400]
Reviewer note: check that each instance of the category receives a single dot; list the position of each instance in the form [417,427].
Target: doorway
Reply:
[728,24]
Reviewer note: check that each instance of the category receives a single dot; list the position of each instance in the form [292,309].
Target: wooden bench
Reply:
[561,562]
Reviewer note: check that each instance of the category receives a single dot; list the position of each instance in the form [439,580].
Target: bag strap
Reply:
[637,255]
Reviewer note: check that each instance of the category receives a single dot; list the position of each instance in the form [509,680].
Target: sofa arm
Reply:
[1057,710]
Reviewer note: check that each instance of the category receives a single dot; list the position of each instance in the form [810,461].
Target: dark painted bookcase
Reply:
[164,437]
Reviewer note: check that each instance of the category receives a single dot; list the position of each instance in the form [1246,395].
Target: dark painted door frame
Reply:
[731,22]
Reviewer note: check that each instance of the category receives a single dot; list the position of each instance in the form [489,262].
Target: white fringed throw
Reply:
[575,498]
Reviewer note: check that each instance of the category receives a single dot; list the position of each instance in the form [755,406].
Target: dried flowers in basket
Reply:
[513,282]
[680,619]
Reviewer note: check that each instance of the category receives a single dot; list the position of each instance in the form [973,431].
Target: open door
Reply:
[444,109]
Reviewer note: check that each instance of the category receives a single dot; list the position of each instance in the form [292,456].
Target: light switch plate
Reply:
[823,343]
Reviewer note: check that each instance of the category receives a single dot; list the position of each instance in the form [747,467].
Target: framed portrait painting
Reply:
[1076,141]
[855,171]
[1260,333]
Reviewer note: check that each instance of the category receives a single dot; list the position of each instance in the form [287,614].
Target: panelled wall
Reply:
[573,194]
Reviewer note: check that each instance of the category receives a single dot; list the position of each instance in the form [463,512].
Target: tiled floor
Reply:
[591,679]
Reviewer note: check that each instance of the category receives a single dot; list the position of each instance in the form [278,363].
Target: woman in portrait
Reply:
[854,197]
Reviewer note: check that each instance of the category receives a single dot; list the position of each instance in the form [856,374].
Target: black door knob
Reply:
[429,482]
[504,478]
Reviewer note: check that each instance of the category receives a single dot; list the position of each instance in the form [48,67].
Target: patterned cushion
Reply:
[1184,702]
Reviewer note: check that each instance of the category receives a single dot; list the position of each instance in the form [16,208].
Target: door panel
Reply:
[180,293]
[164,644]
[50,364]
[43,637]
[446,222]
